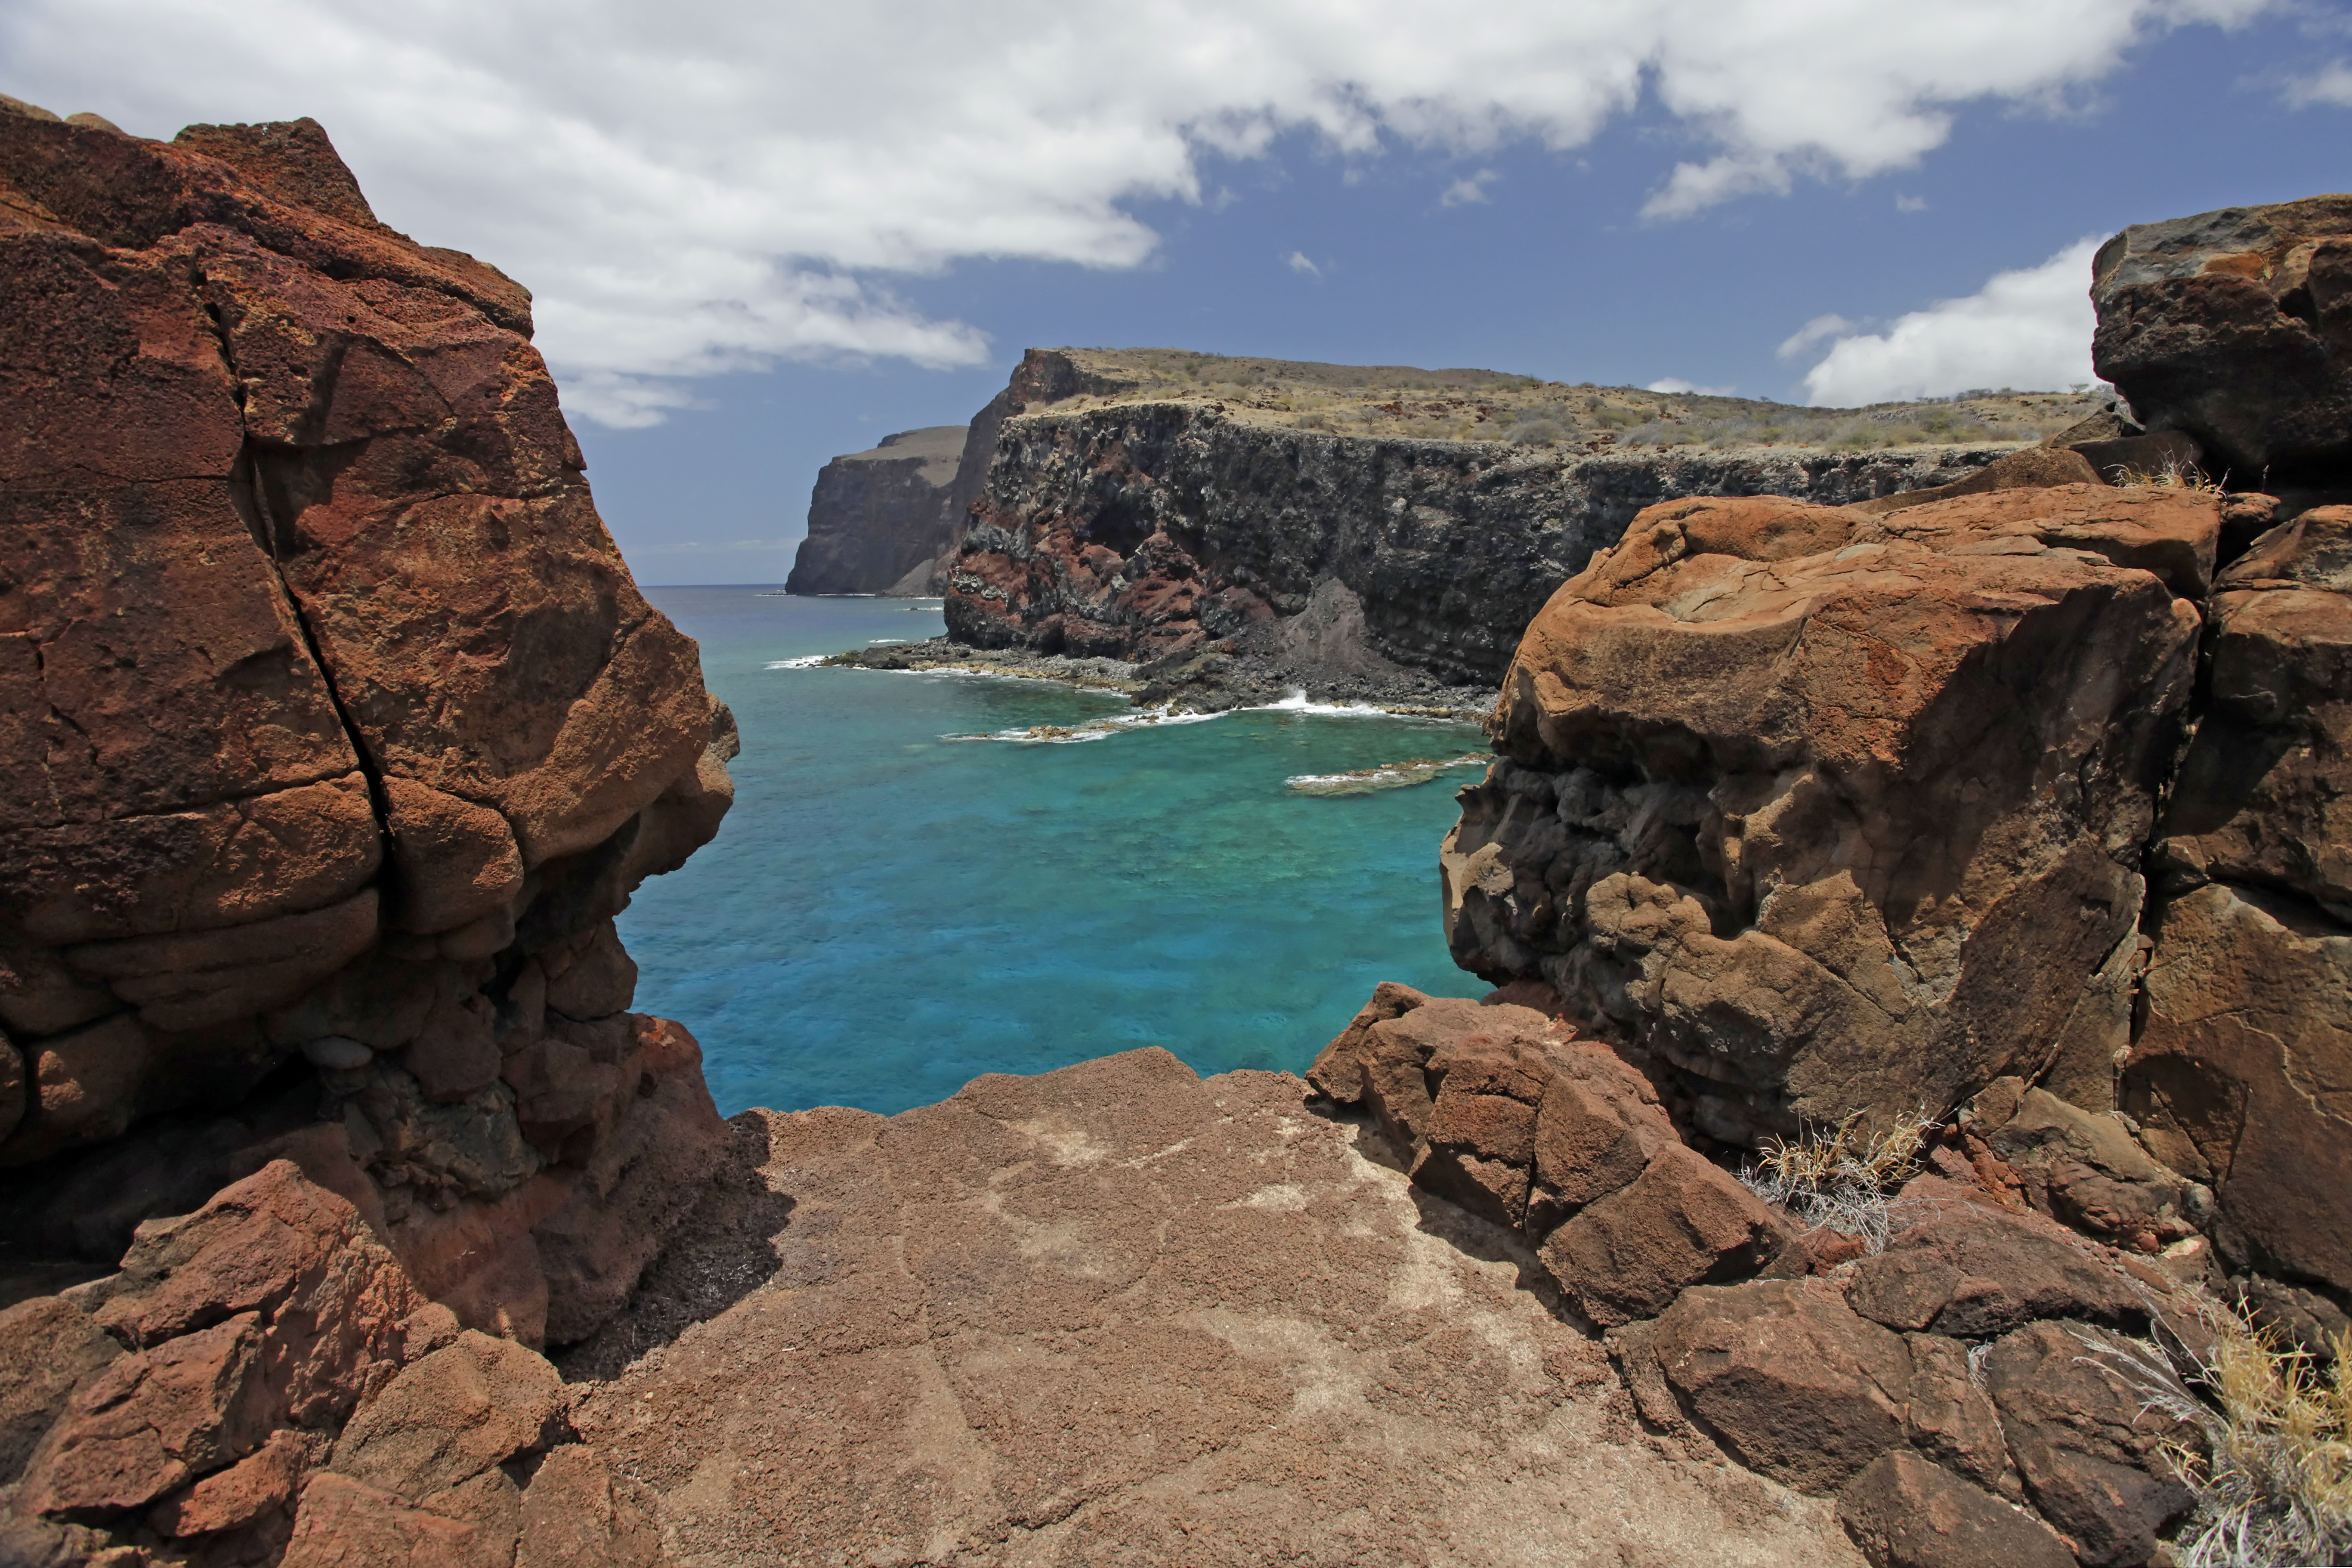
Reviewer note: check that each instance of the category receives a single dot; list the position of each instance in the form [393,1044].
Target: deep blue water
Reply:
[887,914]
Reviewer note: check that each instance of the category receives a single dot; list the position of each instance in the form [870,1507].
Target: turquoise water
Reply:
[887,914]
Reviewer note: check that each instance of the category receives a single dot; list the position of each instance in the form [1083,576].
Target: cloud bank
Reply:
[2029,329]
[708,185]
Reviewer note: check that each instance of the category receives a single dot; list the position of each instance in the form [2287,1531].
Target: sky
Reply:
[759,235]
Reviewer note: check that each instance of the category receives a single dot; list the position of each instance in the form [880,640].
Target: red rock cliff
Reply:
[333,734]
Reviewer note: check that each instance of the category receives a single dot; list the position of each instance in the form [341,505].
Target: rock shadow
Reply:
[726,1249]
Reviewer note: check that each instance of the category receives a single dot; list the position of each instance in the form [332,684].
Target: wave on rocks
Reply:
[1388,775]
[1089,729]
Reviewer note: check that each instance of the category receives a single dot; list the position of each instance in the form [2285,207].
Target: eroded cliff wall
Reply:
[878,520]
[1138,530]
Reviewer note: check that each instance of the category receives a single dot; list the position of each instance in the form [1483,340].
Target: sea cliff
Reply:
[1989,828]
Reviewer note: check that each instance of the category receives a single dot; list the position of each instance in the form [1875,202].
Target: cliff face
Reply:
[1143,530]
[878,518]
[336,734]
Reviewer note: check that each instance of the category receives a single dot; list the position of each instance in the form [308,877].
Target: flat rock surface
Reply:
[1117,1313]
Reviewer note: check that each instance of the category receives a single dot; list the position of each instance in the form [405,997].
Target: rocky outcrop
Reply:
[335,735]
[878,518]
[2236,327]
[1146,529]
[1119,1314]
[1835,812]
[267,1384]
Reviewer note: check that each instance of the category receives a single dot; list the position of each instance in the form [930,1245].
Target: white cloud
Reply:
[1674,384]
[710,184]
[2029,329]
[1813,332]
[2332,85]
[1298,262]
[1470,189]
[1910,203]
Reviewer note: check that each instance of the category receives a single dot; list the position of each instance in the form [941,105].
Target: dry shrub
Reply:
[1843,1181]
[2274,1480]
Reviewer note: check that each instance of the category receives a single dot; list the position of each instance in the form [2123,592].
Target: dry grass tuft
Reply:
[1843,1181]
[2274,1482]
[2173,476]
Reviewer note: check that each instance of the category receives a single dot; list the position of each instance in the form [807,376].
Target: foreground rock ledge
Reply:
[1120,1314]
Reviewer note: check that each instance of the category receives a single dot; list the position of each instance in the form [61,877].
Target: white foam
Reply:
[1297,702]
[806,661]
[1101,729]
[878,642]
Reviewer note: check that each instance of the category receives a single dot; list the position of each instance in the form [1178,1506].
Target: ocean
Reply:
[890,912]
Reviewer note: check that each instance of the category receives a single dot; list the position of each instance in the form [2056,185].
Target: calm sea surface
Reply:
[888,913]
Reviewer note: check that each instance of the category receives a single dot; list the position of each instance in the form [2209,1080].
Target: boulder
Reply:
[1682,1222]
[2091,1453]
[1905,1512]
[2232,326]
[2088,1170]
[48,1348]
[1791,1381]
[461,1410]
[1784,806]
[2265,793]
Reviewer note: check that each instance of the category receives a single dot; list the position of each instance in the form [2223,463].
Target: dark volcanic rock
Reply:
[1147,529]
[879,518]
[2236,327]
[1905,1512]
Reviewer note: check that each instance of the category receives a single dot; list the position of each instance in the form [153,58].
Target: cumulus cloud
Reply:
[2029,329]
[708,185]
[1298,261]
[1674,384]
[2331,85]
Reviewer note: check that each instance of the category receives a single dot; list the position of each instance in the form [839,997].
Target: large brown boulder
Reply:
[1837,813]
[2236,326]
[332,729]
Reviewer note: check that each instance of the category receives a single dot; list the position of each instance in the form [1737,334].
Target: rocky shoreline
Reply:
[1912,1081]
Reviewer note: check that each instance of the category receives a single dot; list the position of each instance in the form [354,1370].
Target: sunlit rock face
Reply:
[1834,811]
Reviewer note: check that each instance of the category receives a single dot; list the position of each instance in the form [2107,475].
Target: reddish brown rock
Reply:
[1682,1222]
[1975,1272]
[289,494]
[151,1422]
[261,1484]
[2231,326]
[2237,1074]
[1905,1512]
[48,1347]
[344,1523]
[578,1514]
[1780,806]
[2091,1454]
[449,1417]
[1791,1381]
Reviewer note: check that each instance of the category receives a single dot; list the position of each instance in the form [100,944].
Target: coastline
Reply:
[1216,679]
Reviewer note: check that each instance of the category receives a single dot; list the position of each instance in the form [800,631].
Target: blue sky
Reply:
[731,295]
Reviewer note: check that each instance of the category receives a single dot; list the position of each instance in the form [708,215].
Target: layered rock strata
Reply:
[335,735]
